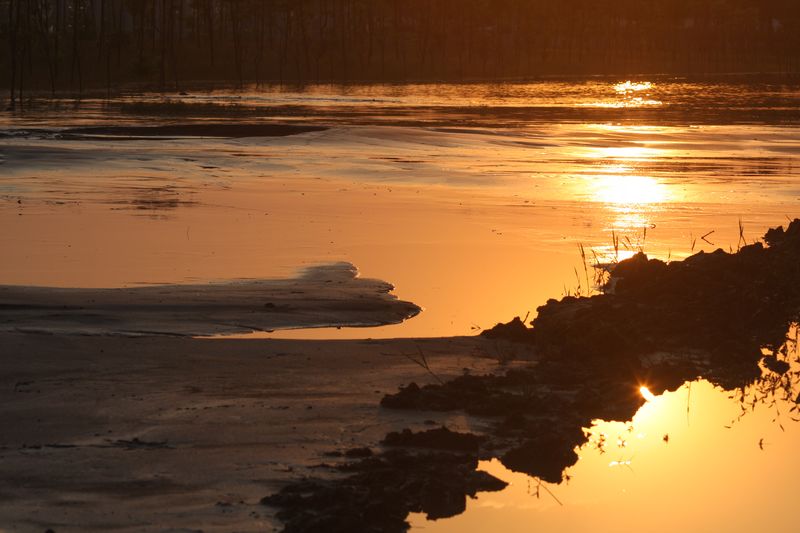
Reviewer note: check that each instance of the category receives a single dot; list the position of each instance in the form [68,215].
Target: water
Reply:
[666,470]
[699,458]
[656,101]
[472,200]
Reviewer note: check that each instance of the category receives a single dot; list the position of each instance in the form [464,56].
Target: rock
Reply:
[380,492]
[437,439]
[514,331]
[544,457]
[776,365]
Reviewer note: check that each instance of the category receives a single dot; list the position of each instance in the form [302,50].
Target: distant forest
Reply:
[73,45]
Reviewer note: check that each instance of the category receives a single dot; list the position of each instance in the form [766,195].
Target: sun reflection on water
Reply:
[646,394]
[628,190]
[630,94]
[618,182]
[629,86]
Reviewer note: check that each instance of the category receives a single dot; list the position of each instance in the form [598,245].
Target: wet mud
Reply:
[195,130]
[232,131]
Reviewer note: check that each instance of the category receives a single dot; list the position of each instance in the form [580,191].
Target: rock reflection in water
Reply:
[707,317]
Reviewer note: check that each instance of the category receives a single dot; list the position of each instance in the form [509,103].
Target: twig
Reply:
[423,362]
[688,403]
[741,236]
[541,484]
[585,268]
[644,240]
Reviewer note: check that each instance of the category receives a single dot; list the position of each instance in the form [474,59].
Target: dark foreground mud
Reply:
[663,324]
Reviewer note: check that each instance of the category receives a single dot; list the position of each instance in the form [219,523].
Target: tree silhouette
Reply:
[68,44]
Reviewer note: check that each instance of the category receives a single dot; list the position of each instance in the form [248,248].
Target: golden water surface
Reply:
[473,201]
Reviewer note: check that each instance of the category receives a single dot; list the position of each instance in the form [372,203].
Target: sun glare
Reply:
[646,394]
[628,190]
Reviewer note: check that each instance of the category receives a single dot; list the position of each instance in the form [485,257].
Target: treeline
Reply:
[75,44]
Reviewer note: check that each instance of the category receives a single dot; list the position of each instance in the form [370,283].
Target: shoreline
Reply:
[316,435]
[599,357]
[125,88]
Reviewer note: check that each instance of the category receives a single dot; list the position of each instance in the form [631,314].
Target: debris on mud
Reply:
[137,444]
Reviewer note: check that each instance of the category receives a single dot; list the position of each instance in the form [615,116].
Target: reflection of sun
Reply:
[626,189]
[630,219]
[632,87]
[646,394]
[629,94]
[614,182]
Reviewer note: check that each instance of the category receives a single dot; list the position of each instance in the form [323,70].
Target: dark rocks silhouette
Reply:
[380,492]
[437,439]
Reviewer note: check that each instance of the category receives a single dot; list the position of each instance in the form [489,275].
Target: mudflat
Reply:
[143,433]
